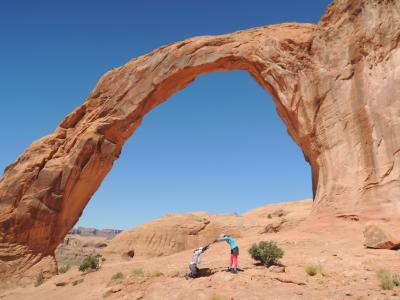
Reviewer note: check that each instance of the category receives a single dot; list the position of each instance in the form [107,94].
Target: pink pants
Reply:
[234,261]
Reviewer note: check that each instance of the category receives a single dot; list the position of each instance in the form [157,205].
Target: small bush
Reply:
[117,276]
[269,216]
[63,269]
[385,279]
[156,274]
[90,263]
[312,270]
[39,279]
[266,252]
[138,272]
[217,297]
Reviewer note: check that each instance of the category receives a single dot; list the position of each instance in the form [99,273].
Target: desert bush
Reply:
[385,279]
[269,216]
[267,252]
[312,270]
[156,274]
[138,272]
[388,280]
[117,276]
[39,279]
[63,269]
[217,297]
[90,263]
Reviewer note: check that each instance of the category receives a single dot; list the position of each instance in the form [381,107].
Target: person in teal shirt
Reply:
[234,251]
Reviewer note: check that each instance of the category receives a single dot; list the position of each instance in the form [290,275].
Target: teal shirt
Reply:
[230,241]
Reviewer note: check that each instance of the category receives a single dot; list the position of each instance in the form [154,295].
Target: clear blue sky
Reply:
[217,146]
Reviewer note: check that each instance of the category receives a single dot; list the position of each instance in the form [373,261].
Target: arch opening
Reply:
[219,138]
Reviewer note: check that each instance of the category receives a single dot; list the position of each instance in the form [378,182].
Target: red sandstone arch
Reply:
[332,84]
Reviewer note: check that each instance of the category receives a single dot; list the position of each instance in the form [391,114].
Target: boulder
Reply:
[378,236]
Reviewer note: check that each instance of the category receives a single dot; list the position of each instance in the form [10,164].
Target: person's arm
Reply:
[219,240]
[205,248]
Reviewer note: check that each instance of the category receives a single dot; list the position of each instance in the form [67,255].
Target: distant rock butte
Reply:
[87,231]
[335,85]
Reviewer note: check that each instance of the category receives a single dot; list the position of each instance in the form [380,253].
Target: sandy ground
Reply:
[346,271]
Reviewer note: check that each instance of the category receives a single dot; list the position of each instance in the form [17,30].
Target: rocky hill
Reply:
[179,232]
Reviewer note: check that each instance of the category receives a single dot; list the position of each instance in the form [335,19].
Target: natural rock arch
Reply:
[335,85]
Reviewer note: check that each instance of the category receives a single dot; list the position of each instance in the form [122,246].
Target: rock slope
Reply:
[175,233]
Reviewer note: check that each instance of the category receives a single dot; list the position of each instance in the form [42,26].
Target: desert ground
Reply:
[346,269]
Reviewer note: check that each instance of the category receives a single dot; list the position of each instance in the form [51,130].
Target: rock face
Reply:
[335,85]
[378,237]
[175,233]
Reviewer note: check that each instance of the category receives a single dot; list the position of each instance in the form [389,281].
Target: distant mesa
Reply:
[88,231]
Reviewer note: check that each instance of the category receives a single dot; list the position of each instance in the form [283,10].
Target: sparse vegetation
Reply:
[217,297]
[396,279]
[388,280]
[267,252]
[269,216]
[76,282]
[138,272]
[39,279]
[90,263]
[117,276]
[156,274]
[63,269]
[312,270]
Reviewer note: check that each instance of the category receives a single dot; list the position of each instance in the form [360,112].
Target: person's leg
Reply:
[193,270]
[235,254]
[234,261]
[231,261]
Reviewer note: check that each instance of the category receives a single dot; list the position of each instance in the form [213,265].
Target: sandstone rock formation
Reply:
[335,85]
[87,231]
[175,233]
[378,236]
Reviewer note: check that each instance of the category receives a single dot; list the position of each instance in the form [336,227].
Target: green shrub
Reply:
[266,252]
[138,272]
[312,270]
[388,280]
[385,278]
[39,279]
[117,276]
[63,269]
[90,263]
[217,297]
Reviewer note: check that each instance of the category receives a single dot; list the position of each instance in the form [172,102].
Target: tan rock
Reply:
[335,85]
[377,236]
[179,232]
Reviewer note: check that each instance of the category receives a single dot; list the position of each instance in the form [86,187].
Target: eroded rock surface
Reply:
[335,85]
[379,236]
[179,232]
